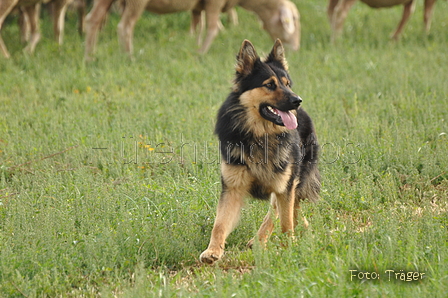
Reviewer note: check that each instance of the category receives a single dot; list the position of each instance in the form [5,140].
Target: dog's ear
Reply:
[246,58]
[278,55]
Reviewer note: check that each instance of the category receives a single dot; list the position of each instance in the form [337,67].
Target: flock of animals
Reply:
[280,18]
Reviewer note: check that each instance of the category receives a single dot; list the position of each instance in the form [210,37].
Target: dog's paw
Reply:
[210,256]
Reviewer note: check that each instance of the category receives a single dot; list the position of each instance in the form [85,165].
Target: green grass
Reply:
[131,220]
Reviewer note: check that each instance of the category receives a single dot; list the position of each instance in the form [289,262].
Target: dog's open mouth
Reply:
[284,118]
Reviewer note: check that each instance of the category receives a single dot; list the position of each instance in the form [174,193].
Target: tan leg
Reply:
[285,205]
[306,191]
[236,182]
[266,228]
[212,15]
[81,8]
[59,9]
[5,8]
[407,11]
[232,16]
[4,49]
[330,9]
[298,217]
[227,216]
[129,18]
[93,23]
[429,6]
[340,13]
[197,20]
[24,25]
[33,15]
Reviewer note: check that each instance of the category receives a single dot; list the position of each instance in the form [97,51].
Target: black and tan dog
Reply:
[268,146]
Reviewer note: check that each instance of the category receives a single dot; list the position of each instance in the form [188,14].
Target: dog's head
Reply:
[265,88]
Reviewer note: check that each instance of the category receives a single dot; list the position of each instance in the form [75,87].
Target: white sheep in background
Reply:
[280,18]
[338,11]
[29,14]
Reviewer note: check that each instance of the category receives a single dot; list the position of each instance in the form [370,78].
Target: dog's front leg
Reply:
[236,181]
[227,216]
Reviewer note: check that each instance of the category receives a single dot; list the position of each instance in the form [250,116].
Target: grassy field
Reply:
[109,172]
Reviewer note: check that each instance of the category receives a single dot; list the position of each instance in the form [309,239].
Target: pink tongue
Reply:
[288,118]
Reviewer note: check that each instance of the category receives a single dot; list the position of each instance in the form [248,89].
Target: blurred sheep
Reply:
[338,11]
[29,20]
[280,18]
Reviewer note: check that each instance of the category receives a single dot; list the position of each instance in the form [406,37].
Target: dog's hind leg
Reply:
[298,215]
[266,228]
[285,206]
[307,190]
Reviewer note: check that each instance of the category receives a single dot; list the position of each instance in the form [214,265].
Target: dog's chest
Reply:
[271,162]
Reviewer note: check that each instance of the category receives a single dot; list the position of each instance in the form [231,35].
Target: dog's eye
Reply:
[270,86]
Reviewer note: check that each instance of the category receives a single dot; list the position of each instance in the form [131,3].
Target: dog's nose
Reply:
[295,100]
